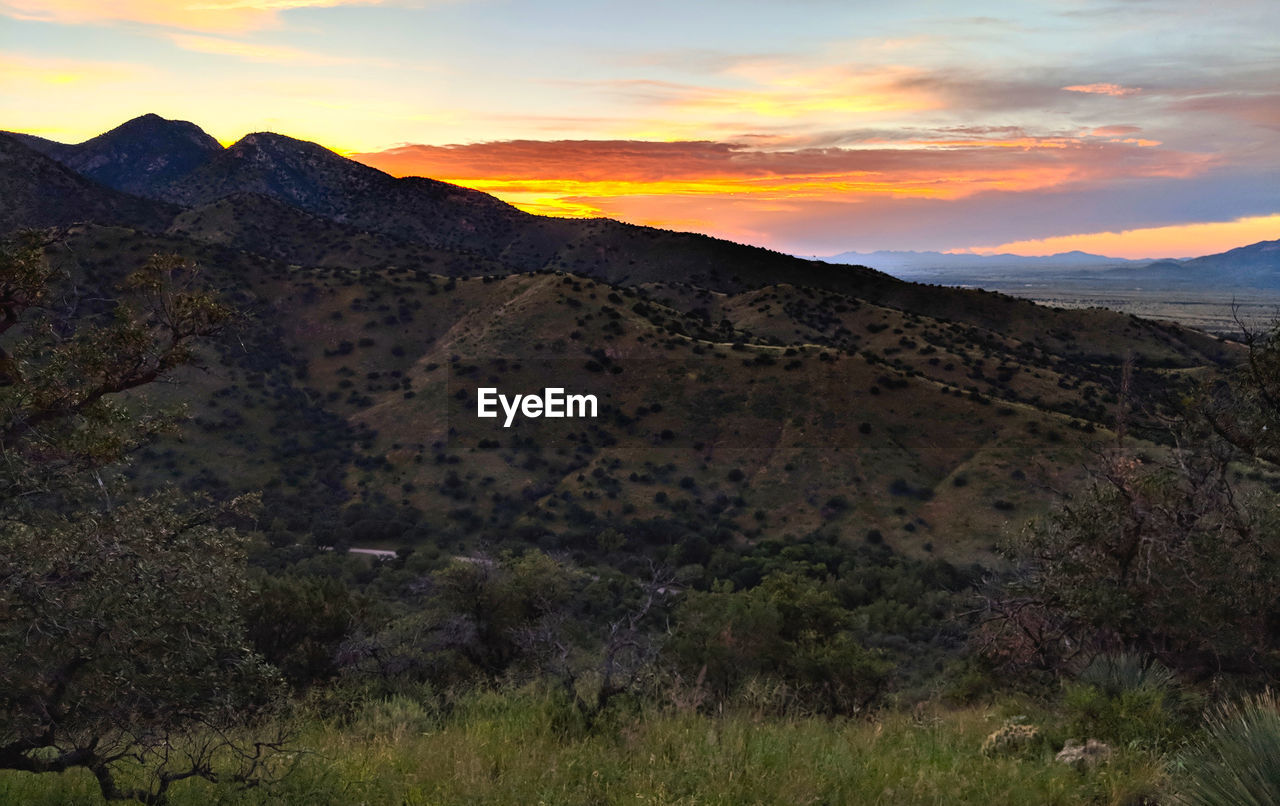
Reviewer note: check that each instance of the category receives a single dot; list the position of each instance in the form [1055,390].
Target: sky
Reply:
[1134,128]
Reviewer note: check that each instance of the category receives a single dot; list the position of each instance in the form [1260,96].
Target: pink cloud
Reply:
[1114,131]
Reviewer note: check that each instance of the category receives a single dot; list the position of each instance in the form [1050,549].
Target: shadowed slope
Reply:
[39,192]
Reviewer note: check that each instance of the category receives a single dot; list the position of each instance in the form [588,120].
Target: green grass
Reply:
[530,749]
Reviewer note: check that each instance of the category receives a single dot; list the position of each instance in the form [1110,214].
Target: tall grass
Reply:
[1237,763]
[528,748]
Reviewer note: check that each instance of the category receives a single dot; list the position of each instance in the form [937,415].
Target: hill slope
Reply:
[40,192]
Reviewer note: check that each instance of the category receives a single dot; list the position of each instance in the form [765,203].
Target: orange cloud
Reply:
[192,15]
[1180,240]
[1103,89]
[590,177]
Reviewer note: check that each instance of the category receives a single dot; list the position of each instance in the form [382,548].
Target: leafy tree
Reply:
[468,623]
[788,630]
[297,624]
[121,644]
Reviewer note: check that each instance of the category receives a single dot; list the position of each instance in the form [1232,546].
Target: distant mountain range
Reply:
[897,261]
[1253,266]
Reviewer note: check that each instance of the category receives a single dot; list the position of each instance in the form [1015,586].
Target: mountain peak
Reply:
[152,122]
[153,132]
[141,154]
[280,146]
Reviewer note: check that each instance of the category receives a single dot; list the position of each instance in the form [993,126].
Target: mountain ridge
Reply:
[469,233]
[891,260]
[1255,265]
[176,162]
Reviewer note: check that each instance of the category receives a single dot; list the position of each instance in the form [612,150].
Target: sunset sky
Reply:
[1136,129]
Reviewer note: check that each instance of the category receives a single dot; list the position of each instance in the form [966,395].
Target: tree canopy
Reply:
[122,648]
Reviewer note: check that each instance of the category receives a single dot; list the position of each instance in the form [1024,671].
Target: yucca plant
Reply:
[1127,672]
[1237,763]
[1131,700]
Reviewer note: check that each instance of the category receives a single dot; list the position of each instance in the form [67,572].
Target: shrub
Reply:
[392,718]
[788,631]
[1237,763]
[1127,671]
[1011,739]
[1128,699]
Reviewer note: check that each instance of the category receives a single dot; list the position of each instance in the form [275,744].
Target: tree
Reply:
[1167,555]
[298,623]
[612,666]
[789,630]
[467,624]
[122,649]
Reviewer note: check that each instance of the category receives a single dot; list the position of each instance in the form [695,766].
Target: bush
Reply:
[789,631]
[1012,739]
[1130,700]
[392,718]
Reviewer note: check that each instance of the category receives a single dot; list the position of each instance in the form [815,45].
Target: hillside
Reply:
[39,192]
[745,395]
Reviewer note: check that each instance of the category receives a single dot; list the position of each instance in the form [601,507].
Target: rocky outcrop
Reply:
[1083,756]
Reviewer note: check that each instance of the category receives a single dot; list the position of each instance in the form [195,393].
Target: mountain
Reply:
[1253,266]
[55,151]
[1263,256]
[1257,265]
[314,179]
[308,177]
[745,395]
[911,262]
[139,157]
